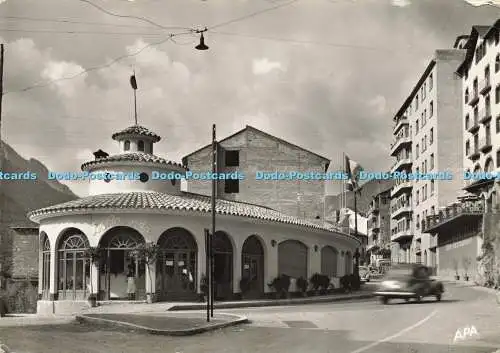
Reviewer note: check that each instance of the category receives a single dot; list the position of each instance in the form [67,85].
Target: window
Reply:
[425,168]
[232,158]
[425,141]
[476,142]
[466,96]
[467,148]
[425,117]
[467,122]
[498,158]
[422,147]
[231,186]
[417,199]
[416,127]
[497,94]
[476,115]
[126,146]
[424,91]
[417,151]
[475,87]
[497,122]
[425,192]
[431,109]
[431,82]
[487,105]
[487,74]
[431,136]
[497,63]
[422,167]
[140,146]
[416,103]
[432,191]
[432,161]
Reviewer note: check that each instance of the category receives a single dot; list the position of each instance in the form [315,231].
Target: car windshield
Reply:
[399,272]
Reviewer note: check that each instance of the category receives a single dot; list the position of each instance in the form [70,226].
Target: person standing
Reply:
[131,283]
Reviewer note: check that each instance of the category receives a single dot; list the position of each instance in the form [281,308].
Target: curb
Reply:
[187,332]
[280,302]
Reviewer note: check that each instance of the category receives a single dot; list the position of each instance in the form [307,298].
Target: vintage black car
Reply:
[409,281]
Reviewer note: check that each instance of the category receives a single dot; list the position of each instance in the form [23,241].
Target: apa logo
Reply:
[466,332]
[4,349]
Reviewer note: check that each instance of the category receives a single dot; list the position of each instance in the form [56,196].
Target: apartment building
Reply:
[250,150]
[465,226]
[427,140]
[379,226]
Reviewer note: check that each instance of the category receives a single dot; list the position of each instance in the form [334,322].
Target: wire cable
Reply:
[140,18]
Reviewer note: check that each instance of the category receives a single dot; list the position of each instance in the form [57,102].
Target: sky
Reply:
[327,75]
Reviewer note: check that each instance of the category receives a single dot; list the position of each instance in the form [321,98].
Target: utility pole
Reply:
[2,198]
[214,195]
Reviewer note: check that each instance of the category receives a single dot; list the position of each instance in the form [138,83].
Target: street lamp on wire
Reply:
[202,45]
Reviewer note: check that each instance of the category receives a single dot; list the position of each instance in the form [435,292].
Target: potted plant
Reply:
[466,264]
[302,285]
[204,287]
[455,267]
[281,286]
[149,254]
[92,254]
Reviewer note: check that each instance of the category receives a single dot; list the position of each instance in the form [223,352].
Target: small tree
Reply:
[149,254]
[93,255]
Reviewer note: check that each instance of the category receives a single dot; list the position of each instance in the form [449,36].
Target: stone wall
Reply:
[24,255]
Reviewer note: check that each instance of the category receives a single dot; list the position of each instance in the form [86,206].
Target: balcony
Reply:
[485,144]
[400,122]
[456,213]
[400,187]
[485,116]
[402,236]
[474,99]
[476,184]
[401,164]
[400,143]
[474,126]
[474,154]
[405,210]
[485,86]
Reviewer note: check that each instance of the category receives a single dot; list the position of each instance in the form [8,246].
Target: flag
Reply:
[133,82]
[353,170]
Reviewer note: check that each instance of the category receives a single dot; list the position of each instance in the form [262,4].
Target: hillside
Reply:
[368,191]
[20,197]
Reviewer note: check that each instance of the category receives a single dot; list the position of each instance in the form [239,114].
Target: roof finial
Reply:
[133,83]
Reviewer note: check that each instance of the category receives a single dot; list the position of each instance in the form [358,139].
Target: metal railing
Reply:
[449,212]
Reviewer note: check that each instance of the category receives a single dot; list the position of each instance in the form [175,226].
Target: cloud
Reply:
[264,66]
[379,104]
[483,2]
[401,3]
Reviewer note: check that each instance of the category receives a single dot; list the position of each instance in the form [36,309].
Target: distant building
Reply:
[379,226]
[427,140]
[251,150]
[467,229]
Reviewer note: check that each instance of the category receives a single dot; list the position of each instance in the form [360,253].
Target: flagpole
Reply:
[214,195]
[343,182]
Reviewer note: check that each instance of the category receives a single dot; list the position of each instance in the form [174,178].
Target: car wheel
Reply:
[418,298]
[384,300]
[438,297]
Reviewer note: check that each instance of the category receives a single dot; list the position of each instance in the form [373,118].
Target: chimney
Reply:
[100,154]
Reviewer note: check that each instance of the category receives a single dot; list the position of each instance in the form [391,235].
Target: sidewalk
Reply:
[359,295]
[167,324]
[470,284]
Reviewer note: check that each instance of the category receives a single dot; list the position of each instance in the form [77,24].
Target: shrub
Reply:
[281,285]
[302,284]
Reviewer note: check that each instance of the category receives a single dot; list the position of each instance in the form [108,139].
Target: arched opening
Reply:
[126,146]
[292,259]
[140,146]
[329,261]
[252,266]
[348,263]
[488,166]
[177,265]
[73,275]
[223,265]
[45,249]
[122,275]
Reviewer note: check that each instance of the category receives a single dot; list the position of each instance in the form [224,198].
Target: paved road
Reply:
[348,327]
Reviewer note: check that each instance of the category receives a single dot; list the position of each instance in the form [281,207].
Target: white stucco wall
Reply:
[151,226]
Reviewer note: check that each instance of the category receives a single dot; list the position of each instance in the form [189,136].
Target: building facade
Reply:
[379,227]
[92,246]
[250,151]
[427,142]
[467,229]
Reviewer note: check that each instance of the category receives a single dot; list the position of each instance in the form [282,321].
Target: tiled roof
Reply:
[131,157]
[137,130]
[185,202]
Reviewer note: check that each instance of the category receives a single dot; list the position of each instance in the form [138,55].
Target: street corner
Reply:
[166,324]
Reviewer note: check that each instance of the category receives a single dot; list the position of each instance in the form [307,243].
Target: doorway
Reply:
[252,266]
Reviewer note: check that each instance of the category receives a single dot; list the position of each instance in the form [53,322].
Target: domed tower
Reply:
[135,168]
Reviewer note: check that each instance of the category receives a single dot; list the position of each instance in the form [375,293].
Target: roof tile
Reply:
[131,157]
[137,130]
